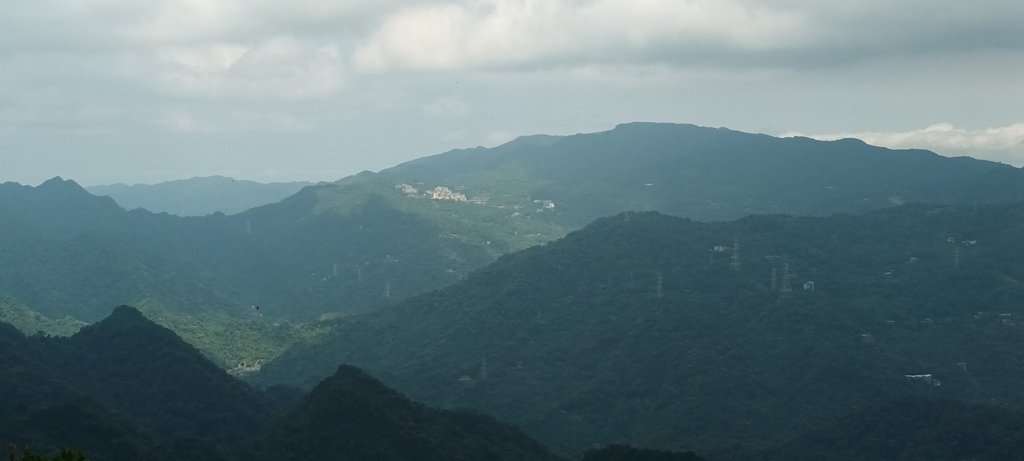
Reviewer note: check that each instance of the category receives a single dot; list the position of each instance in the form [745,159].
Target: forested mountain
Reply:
[66,252]
[335,247]
[361,244]
[668,333]
[352,247]
[372,240]
[126,388]
[925,429]
[710,174]
[41,409]
[149,374]
[198,196]
[353,416]
[640,329]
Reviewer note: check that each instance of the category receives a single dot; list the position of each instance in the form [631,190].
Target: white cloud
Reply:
[337,78]
[510,33]
[1003,144]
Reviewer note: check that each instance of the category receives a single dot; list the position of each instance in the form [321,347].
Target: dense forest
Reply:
[373,239]
[149,395]
[479,279]
[657,331]
[126,388]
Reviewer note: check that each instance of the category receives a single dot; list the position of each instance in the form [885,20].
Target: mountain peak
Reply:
[350,381]
[127,324]
[59,183]
[352,412]
[151,374]
[128,313]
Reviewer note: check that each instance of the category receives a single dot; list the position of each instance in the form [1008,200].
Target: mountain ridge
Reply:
[611,333]
[198,196]
[374,239]
[127,388]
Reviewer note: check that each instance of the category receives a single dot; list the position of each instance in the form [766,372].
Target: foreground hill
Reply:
[668,333]
[198,196]
[925,429]
[149,374]
[353,415]
[42,410]
[126,388]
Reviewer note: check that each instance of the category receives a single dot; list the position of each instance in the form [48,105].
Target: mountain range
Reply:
[658,331]
[198,196]
[374,239]
[542,282]
[709,174]
[126,388]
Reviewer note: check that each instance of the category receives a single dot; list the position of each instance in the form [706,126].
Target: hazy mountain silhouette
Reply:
[198,196]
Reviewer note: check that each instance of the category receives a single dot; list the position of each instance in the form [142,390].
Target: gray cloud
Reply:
[141,89]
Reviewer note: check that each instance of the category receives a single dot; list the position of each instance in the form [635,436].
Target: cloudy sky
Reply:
[133,91]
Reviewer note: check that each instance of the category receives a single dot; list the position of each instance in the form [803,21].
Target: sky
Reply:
[107,91]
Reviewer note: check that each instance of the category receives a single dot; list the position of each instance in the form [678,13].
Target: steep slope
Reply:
[359,245]
[353,416]
[198,196]
[169,402]
[147,373]
[668,333]
[43,411]
[335,247]
[372,240]
[709,174]
[64,252]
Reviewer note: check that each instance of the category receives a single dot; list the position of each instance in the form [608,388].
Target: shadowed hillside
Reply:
[668,333]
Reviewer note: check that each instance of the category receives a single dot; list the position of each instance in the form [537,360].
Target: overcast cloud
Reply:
[124,91]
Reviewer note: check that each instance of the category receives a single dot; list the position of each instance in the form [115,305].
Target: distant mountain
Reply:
[64,252]
[372,240]
[198,196]
[32,322]
[337,247]
[662,332]
[126,388]
[708,174]
[362,244]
